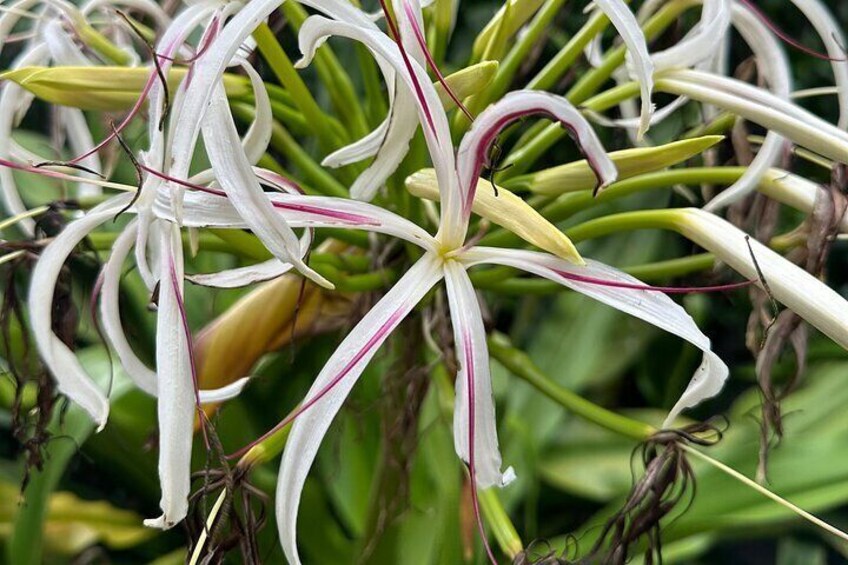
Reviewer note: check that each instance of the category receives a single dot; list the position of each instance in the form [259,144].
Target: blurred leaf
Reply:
[793,552]
[70,430]
[73,524]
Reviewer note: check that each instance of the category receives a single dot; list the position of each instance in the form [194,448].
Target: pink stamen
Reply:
[376,338]
[475,503]
[41,171]
[663,289]
[419,93]
[785,37]
[431,62]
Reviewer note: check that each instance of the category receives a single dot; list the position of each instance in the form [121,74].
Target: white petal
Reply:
[234,173]
[361,148]
[831,34]
[473,383]
[71,378]
[207,71]
[335,382]
[11,98]
[143,377]
[403,123]
[774,67]
[176,406]
[473,150]
[242,276]
[210,210]
[790,285]
[702,42]
[259,133]
[651,306]
[431,112]
[227,392]
[637,50]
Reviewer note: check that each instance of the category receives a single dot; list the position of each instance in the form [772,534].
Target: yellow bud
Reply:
[506,210]
[578,175]
[108,89]
[467,81]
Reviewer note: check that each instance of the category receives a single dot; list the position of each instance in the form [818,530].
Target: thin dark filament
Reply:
[785,37]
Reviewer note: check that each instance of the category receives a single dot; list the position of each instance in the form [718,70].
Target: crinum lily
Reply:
[447,257]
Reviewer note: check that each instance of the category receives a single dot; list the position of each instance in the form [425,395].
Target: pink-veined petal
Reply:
[651,306]
[71,378]
[202,209]
[332,387]
[177,395]
[473,151]
[234,173]
[430,109]
[474,408]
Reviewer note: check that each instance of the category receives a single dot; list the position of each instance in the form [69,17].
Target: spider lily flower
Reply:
[447,256]
[51,43]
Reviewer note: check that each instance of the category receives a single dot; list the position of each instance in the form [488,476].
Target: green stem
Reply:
[520,364]
[285,72]
[542,135]
[342,93]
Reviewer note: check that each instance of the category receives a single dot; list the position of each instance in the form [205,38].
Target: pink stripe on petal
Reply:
[422,42]
[417,85]
[646,287]
[468,353]
[375,339]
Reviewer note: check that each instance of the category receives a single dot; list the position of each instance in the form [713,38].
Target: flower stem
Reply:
[520,364]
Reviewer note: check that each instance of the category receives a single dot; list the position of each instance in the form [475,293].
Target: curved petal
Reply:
[651,306]
[790,285]
[640,63]
[705,39]
[204,209]
[774,67]
[430,109]
[831,33]
[234,173]
[474,421]
[258,135]
[332,386]
[143,377]
[473,150]
[71,378]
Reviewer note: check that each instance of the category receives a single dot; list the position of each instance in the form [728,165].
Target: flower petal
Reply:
[332,386]
[473,153]
[651,306]
[642,66]
[177,397]
[204,209]
[474,421]
[430,108]
[234,173]
[774,67]
[790,285]
[71,378]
